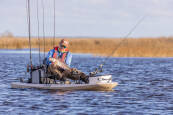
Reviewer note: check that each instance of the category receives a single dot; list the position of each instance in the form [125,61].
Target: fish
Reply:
[75,74]
[59,63]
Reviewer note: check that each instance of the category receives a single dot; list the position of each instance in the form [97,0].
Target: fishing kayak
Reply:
[99,83]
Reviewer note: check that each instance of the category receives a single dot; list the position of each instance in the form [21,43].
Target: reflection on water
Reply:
[55,92]
[145,87]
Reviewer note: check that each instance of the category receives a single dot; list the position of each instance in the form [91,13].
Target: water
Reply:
[145,87]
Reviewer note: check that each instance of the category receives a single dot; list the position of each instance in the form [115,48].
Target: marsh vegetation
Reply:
[131,47]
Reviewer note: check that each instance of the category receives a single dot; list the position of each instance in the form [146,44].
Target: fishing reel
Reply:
[97,70]
[31,68]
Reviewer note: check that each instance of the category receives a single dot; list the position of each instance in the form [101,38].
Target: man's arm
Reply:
[68,59]
[50,53]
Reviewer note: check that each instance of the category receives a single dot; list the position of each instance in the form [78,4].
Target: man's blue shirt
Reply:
[59,54]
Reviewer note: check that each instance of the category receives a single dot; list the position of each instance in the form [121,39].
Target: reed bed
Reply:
[131,47]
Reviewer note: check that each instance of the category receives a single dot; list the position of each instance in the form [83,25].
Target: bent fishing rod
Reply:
[100,68]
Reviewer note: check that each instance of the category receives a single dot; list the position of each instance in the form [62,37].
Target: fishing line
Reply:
[125,38]
[116,48]
[38,30]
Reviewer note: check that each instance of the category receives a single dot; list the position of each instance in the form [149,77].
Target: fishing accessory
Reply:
[116,48]
[97,70]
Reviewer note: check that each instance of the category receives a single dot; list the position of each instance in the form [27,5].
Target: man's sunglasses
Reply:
[62,46]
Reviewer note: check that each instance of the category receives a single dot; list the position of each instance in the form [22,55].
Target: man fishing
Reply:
[59,60]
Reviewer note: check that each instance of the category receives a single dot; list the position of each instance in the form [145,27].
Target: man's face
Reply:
[62,46]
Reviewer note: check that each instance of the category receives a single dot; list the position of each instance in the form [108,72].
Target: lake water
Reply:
[145,87]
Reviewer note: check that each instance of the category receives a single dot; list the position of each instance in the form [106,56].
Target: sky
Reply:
[89,18]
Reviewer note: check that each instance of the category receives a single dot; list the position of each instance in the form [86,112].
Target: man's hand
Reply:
[52,60]
[59,63]
[74,70]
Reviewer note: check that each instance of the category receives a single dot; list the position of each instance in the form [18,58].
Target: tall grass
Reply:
[132,47]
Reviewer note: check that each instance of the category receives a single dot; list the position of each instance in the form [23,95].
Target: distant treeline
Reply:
[131,47]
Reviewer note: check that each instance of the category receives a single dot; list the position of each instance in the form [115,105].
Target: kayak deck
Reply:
[90,86]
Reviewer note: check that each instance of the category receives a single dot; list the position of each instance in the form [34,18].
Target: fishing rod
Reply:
[100,68]
[38,30]
[29,29]
[29,66]
[54,25]
[43,27]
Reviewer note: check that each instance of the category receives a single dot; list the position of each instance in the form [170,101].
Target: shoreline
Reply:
[131,47]
[26,51]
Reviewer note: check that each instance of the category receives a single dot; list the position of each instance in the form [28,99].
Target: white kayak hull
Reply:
[95,87]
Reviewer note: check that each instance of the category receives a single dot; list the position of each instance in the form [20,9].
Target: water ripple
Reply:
[145,87]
